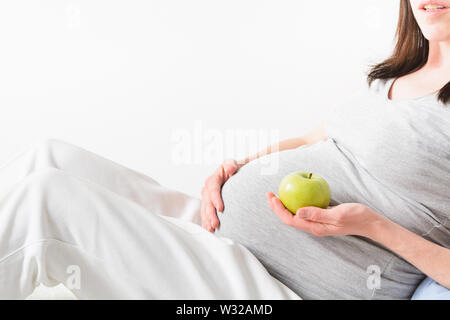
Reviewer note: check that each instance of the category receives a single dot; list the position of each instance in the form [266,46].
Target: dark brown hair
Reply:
[410,52]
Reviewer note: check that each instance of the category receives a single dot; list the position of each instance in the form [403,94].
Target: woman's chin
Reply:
[437,34]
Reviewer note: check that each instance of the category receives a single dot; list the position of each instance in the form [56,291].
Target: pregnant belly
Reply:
[244,193]
[318,268]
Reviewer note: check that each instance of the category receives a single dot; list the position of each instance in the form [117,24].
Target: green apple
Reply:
[304,189]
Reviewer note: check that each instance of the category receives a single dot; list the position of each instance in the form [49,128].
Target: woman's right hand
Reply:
[211,194]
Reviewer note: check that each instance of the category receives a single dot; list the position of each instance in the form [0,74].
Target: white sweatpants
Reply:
[69,216]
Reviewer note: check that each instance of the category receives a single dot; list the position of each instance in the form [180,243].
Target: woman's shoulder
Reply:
[381,86]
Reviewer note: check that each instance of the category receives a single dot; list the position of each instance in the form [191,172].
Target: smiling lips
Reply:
[433,7]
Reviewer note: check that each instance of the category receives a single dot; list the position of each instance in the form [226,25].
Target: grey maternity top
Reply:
[393,156]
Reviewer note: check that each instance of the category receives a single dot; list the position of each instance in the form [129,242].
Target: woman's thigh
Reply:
[123,181]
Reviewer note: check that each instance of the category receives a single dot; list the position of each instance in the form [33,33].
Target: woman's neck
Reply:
[430,78]
[439,55]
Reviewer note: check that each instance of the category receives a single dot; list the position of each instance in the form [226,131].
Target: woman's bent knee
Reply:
[48,145]
[54,154]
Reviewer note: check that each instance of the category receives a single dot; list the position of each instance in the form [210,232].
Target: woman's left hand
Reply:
[340,220]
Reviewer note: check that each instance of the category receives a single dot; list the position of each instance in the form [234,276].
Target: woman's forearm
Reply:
[430,258]
[280,146]
[317,134]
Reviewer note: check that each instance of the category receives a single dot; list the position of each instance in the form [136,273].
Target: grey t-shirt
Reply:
[403,144]
[393,156]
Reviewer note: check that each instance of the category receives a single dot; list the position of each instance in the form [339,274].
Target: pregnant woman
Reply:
[67,215]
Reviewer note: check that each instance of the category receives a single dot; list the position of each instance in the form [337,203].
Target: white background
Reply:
[120,78]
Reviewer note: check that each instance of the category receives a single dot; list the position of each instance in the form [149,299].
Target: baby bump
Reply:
[303,262]
[244,197]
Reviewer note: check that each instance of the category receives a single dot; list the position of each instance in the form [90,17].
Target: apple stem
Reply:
[310,175]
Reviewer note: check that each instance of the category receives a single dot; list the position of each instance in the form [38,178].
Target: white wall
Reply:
[122,77]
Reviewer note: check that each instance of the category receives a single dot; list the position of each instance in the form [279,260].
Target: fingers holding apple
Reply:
[281,211]
[300,220]
[304,204]
[303,201]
